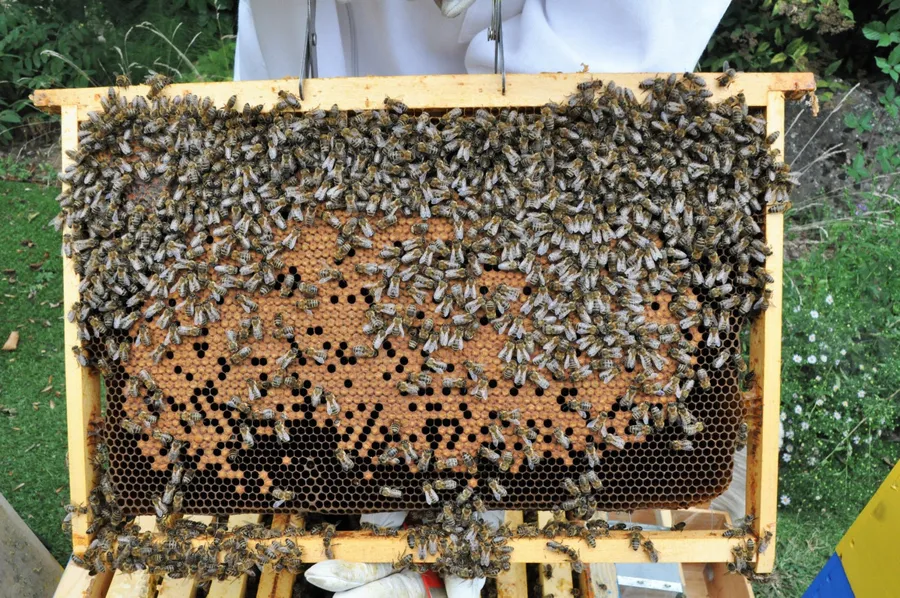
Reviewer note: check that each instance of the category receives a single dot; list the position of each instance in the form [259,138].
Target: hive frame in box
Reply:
[695,579]
[761,90]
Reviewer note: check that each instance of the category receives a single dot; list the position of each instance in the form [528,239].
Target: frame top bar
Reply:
[425,91]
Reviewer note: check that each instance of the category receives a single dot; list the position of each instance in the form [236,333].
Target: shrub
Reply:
[56,43]
[767,35]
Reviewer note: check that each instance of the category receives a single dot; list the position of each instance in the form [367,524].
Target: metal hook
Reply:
[495,34]
[310,57]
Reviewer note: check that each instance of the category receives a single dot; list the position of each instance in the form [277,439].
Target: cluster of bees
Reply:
[599,204]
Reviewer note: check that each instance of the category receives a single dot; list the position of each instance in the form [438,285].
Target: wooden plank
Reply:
[233,587]
[663,517]
[513,583]
[603,580]
[275,584]
[139,584]
[765,360]
[556,579]
[184,587]
[82,384]
[26,566]
[699,546]
[426,91]
[694,576]
[77,582]
[722,584]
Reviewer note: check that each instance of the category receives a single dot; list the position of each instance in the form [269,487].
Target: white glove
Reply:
[378,580]
[453,8]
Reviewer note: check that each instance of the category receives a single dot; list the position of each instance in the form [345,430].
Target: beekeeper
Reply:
[412,37]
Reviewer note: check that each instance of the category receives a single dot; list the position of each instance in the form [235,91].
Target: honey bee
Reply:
[612,439]
[497,490]
[365,351]
[652,554]
[344,459]
[317,355]
[506,461]
[636,537]
[425,460]
[560,436]
[681,445]
[445,464]
[281,432]
[764,542]
[238,357]
[727,76]
[281,496]
[464,495]
[431,496]
[390,492]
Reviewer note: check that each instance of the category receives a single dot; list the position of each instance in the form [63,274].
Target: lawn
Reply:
[32,381]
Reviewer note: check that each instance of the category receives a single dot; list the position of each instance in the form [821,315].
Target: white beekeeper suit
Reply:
[413,37]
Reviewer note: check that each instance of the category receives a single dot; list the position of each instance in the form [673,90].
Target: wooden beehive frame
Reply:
[761,90]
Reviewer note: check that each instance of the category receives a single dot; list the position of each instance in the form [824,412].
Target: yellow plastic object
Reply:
[869,550]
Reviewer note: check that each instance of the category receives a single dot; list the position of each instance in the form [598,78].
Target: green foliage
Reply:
[886,34]
[891,101]
[840,373]
[861,123]
[62,44]
[12,169]
[779,35]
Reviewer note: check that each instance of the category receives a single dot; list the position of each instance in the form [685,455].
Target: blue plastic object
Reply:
[831,582]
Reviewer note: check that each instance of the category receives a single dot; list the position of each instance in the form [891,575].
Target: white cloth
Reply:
[411,37]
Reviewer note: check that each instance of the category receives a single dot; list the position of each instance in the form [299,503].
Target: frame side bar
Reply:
[765,359]
[82,384]
[425,91]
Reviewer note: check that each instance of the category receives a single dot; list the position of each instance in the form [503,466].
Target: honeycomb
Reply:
[278,452]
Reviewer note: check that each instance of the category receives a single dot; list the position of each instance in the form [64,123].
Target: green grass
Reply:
[33,440]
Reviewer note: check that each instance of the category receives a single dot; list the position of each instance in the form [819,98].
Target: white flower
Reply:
[835,387]
[798,359]
[812,359]
[796,308]
[798,409]
[785,499]
[789,434]
[823,358]
[812,463]
[804,426]
[786,457]
[812,338]
[861,394]
[783,416]
[856,439]
[829,300]
[820,401]
[814,315]
[818,497]
[837,362]
[837,415]
[818,378]
[790,448]
[843,352]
